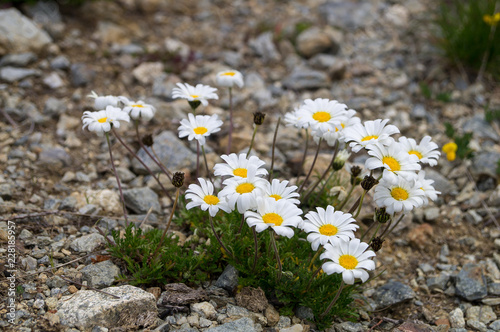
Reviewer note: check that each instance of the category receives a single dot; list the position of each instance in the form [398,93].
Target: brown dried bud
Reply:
[178,179]
[355,171]
[147,140]
[368,182]
[258,118]
[376,243]
[382,216]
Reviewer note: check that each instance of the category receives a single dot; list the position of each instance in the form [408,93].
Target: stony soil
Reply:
[56,182]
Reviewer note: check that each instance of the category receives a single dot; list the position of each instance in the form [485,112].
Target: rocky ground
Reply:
[442,267]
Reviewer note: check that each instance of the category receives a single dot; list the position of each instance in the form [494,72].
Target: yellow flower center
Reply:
[416,153]
[245,188]
[276,197]
[392,163]
[211,200]
[240,172]
[367,138]
[399,194]
[102,120]
[200,130]
[137,105]
[322,116]
[328,230]
[272,218]
[228,74]
[195,96]
[451,156]
[348,262]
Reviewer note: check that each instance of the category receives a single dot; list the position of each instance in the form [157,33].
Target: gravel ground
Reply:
[442,267]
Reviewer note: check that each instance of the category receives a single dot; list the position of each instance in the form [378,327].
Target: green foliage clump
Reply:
[462,142]
[426,91]
[465,36]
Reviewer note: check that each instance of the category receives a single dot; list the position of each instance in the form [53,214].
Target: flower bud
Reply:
[178,179]
[355,171]
[194,104]
[376,243]
[258,118]
[368,182]
[382,216]
[147,140]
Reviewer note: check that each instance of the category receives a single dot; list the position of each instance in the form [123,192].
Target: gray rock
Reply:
[431,213]
[264,46]
[18,60]
[284,321]
[418,112]
[481,128]
[236,311]
[350,327]
[25,234]
[333,65]
[6,191]
[228,280]
[438,282]
[470,282]
[19,34]
[28,263]
[477,325]
[495,326]
[45,12]
[349,15]
[306,78]
[171,151]
[87,243]
[442,184]
[244,324]
[60,62]
[391,293]
[494,288]
[426,268]
[81,74]
[53,81]
[178,294]
[56,282]
[457,318]
[13,74]
[140,200]
[304,313]
[54,158]
[485,163]
[315,40]
[163,86]
[68,204]
[483,314]
[54,107]
[87,308]
[100,275]
[147,72]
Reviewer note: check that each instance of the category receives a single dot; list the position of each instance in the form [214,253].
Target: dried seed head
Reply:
[368,182]
[258,118]
[376,243]
[147,140]
[178,179]
[355,171]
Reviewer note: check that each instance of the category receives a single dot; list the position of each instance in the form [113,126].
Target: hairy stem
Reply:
[156,161]
[274,147]
[312,166]
[117,179]
[230,121]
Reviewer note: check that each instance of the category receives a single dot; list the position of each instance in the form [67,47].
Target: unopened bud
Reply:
[194,104]
[178,179]
[368,182]
[147,140]
[355,171]
[258,118]
[382,216]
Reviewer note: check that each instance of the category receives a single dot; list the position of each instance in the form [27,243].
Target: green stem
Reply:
[256,248]
[318,252]
[346,199]
[386,228]
[251,142]
[273,242]
[206,163]
[305,153]
[309,192]
[230,139]
[334,300]
[117,179]
[157,162]
[375,233]
[197,158]
[395,225]
[312,166]
[367,230]
[274,147]
[168,226]
[313,276]
[218,238]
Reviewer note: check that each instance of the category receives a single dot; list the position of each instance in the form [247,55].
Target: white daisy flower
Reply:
[321,114]
[237,165]
[328,226]
[102,121]
[332,135]
[397,194]
[279,190]
[429,191]
[199,127]
[101,102]
[199,92]
[392,159]
[243,192]
[229,78]
[203,196]
[138,109]
[371,132]
[280,215]
[427,151]
[349,258]
[294,119]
